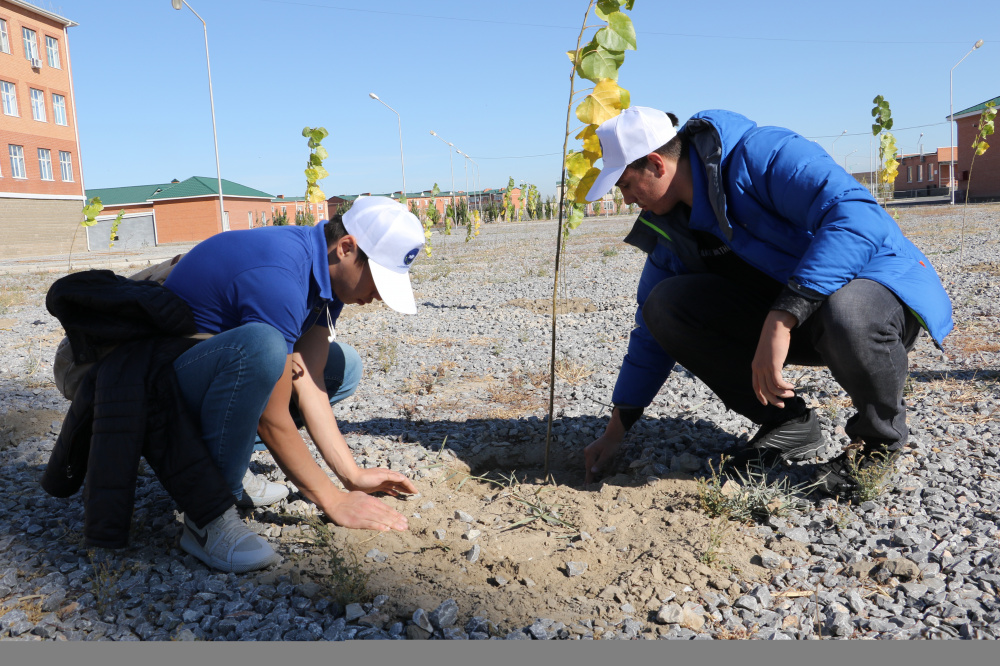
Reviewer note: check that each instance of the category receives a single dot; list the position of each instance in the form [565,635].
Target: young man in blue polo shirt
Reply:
[762,251]
[271,297]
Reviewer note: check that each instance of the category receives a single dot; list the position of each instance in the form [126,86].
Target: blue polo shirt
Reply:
[275,275]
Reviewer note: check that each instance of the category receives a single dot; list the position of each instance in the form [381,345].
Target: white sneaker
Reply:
[227,544]
[258,491]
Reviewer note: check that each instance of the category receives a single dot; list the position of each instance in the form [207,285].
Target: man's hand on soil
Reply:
[380,480]
[599,455]
[358,510]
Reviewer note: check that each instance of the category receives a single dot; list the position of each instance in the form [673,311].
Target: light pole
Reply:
[845,158]
[920,144]
[211,98]
[452,165]
[951,119]
[478,190]
[834,149]
[399,121]
[466,178]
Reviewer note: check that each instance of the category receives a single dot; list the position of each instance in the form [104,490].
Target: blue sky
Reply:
[492,78]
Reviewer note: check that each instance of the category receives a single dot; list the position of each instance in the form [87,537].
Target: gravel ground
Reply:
[456,397]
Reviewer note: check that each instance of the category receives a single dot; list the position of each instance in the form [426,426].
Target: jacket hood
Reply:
[713,135]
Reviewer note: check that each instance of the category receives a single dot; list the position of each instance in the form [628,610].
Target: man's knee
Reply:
[658,311]
[344,366]
[265,350]
[353,369]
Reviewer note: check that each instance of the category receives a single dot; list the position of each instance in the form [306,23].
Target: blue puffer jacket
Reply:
[784,206]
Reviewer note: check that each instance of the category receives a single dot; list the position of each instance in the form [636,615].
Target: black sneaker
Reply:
[799,438]
[839,476]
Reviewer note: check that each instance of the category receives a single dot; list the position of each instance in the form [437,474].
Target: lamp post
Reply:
[475,171]
[399,121]
[452,165]
[951,119]
[845,158]
[833,151]
[920,144]
[466,179]
[211,98]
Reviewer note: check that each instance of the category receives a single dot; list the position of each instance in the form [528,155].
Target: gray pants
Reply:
[712,325]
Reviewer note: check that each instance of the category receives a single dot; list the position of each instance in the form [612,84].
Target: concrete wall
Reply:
[38,227]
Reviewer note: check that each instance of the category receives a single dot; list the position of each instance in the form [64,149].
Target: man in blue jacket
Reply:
[762,251]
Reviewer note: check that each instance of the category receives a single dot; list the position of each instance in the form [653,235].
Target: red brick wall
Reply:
[986,168]
[23,130]
[187,220]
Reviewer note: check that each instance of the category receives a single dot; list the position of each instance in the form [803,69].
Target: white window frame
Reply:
[30,38]
[38,105]
[4,38]
[59,109]
[920,173]
[9,93]
[45,164]
[249,219]
[909,174]
[17,167]
[52,52]
[66,165]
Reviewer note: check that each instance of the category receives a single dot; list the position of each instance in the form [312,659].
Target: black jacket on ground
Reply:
[129,404]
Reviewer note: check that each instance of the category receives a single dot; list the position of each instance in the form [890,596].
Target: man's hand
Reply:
[359,510]
[380,480]
[772,350]
[600,453]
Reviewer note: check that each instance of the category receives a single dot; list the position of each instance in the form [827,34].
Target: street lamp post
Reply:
[466,179]
[475,171]
[833,151]
[452,165]
[845,158]
[399,121]
[211,98]
[951,121]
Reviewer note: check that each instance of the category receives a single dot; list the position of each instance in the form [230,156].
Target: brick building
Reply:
[41,176]
[923,174]
[293,206]
[175,212]
[985,183]
[422,199]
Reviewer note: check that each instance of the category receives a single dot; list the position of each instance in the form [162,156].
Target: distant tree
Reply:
[616,196]
[304,218]
[279,219]
[344,206]
[414,208]
[508,201]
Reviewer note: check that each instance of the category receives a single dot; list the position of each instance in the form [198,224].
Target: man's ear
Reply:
[657,164]
[342,248]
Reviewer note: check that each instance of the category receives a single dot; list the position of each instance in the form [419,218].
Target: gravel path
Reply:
[461,389]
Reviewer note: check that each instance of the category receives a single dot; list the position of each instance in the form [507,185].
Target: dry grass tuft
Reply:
[572,372]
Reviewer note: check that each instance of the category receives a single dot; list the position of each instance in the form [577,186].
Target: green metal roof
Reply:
[118,196]
[199,186]
[977,108]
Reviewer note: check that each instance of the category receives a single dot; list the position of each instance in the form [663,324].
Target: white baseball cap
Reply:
[391,236]
[635,132]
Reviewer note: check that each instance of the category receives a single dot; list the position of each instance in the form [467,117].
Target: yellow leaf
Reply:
[577,165]
[604,103]
[591,143]
[586,183]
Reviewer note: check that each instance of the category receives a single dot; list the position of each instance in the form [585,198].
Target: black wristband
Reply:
[629,415]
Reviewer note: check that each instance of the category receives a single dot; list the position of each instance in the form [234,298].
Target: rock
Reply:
[444,615]
[415,633]
[670,614]
[748,602]
[799,534]
[472,535]
[770,559]
[839,624]
[686,463]
[902,568]
[353,612]
[421,620]
[693,620]
[575,568]
[439,534]
[464,517]
[472,555]
[860,569]
[377,555]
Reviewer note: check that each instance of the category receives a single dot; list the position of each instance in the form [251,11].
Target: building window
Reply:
[45,163]
[38,105]
[52,51]
[17,161]
[4,41]
[249,219]
[909,174]
[66,166]
[30,44]
[59,109]
[9,94]
[930,172]
[920,173]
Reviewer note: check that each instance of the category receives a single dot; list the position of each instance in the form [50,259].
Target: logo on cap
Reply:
[410,256]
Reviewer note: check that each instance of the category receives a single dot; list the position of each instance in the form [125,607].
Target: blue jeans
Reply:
[227,380]
[862,332]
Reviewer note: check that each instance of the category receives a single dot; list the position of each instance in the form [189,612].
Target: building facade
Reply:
[980,178]
[924,174]
[41,174]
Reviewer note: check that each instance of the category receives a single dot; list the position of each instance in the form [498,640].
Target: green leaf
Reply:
[605,7]
[888,124]
[619,35]
[435,190]
[876,129]
[577,165]
[878,100]
[982,148]
[598,63]
[322,153]
[575,217]
[314,159]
